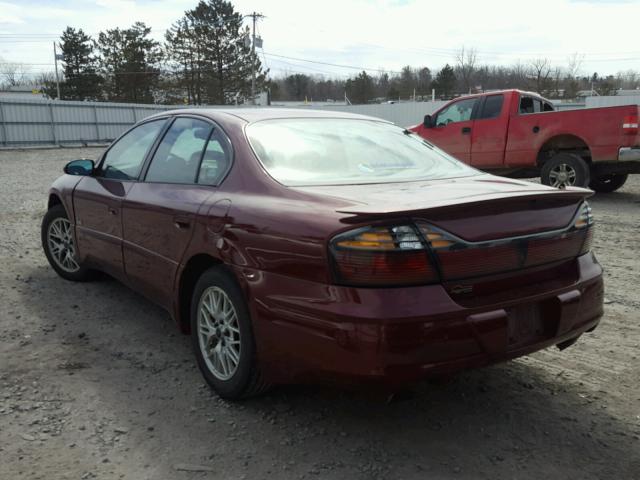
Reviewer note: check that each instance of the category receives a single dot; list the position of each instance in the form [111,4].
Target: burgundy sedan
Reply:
[318,246]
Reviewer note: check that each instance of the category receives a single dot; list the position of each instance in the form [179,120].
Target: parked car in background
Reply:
[319,246]
[519,134]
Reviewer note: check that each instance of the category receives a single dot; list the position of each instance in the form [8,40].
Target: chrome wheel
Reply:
[61,246]
[562,175]
[218,333]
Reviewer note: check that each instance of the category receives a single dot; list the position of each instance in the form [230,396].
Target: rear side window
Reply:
[459,111]
[125,158]
[178,156]
[492,106]
[530,105]
[216,159]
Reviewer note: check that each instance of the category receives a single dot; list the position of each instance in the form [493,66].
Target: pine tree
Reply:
[130,60]
[445,82]
[361,88]
[81,78]
[210,55]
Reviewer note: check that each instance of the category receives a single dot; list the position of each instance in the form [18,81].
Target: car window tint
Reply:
[125,158]
[215,161]
[179,153]
[492,106]
[456,112]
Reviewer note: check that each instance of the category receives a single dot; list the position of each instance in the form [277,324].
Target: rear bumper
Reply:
[308,331]
[629,154]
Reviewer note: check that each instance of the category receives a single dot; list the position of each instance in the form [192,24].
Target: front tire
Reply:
[565,170]
[608,183]
[58,243]
[222,337]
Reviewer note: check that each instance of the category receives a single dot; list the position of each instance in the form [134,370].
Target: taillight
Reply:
[630,124]
[382,256]
[421,253]
[584,221]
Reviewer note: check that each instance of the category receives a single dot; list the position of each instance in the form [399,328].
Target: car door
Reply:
[97,199]
[159,213]
[451,129]
[489,133]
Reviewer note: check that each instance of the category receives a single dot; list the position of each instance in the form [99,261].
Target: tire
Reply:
[565,170]
[214,334]
[58,240]
[608,183]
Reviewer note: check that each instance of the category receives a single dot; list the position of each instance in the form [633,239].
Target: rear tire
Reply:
[565,170]
[608,183]
[58,243]
[222,337]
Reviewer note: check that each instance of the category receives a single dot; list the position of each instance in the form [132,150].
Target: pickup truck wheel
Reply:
[565,170]
[608,183]
[222,337]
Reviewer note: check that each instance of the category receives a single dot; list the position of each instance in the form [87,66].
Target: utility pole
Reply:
[55,57]
[255,16]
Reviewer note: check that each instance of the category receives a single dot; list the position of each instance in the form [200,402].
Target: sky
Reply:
[364,34]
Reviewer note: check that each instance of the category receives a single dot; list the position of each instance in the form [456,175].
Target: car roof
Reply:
[266,113]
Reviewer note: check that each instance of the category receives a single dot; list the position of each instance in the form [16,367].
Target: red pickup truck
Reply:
[519,134]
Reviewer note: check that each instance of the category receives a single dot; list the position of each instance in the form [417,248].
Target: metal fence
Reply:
[43,122]
[34,122]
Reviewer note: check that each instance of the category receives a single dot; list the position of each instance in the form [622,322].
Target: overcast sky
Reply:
[375,34]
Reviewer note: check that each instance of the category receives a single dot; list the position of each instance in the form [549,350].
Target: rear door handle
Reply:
[181,223]
[112,211]
[466,130]
[536,129]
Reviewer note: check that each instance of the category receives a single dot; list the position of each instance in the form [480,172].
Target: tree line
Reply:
[465,75]
[206,58]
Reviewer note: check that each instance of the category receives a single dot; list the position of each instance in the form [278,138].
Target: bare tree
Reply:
[541,71]
[466,62]
[12,73]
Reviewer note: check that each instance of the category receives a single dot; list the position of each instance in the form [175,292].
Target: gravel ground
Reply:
[96,382]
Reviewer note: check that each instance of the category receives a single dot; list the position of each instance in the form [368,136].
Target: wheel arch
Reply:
[563,143]
[54,199]
[193,269]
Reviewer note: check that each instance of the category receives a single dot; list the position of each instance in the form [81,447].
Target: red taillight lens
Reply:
[382,256]
[630,124]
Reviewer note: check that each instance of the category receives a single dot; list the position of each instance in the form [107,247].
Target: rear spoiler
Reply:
[394,208]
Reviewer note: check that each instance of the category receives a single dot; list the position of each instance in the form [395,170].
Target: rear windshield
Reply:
[322,151]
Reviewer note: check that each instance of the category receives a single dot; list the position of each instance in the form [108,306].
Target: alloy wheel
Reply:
[61,245]
[219,333]
[562,175]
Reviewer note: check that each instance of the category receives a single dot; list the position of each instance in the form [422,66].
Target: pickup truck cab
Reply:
[519,134]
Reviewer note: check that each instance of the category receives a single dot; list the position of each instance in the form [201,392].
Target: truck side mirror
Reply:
[427,121]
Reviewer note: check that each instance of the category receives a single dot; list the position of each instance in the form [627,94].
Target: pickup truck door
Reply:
[452,128]
[489,132]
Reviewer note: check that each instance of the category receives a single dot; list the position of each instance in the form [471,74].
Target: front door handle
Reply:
[112,211]
[181,223]
[466,130]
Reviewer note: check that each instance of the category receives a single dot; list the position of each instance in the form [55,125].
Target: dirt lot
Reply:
[96,382]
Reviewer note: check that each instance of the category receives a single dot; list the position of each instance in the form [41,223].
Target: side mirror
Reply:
[427,121]
[79,167]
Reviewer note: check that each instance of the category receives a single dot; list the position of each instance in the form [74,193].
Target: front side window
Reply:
[321,151]
[178,156]
[459,111]
[124,159]
[492,106]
